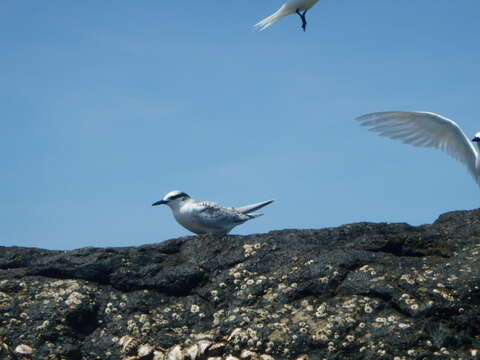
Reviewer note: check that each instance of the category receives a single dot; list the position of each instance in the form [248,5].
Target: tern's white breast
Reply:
[301,4]
[186,218]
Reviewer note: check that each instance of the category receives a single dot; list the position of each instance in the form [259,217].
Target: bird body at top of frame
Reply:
[299,7]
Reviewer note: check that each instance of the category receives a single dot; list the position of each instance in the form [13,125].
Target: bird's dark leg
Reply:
[302,16]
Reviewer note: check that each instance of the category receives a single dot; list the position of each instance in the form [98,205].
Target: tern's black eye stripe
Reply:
[178,196]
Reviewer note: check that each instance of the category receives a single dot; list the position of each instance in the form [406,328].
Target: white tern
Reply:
[205,217]
[299,7]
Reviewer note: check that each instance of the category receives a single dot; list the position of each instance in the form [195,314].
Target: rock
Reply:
[248,355]
[129,344]
[358,291]
[175,353]
[23,349]
[191,352]
[145,351]
[231,357]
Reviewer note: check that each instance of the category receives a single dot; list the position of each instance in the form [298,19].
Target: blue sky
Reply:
[108,105]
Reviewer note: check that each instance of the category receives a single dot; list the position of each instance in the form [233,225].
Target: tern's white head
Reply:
[477,137]
[174,199]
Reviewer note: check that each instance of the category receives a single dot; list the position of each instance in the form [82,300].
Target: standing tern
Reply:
[205,217]
[299,7]
[427,129]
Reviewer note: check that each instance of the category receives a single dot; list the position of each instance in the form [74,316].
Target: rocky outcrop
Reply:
[359,291]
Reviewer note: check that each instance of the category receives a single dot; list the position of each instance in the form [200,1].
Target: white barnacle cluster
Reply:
[331,320]
[386,321]
[377,347]
[444,292]
[5,299]
[218,316]
[246,283]
[321,310]
[251,249]
[428,274]
[355,305]
[43,325]
[408,278]
[75,299]
[368,269]
[144,323]
[110,308]
[59,291]
[240,338]
[172,312]
[307,306]
[133,327]
[442,351]
[214,294]
[403,325]
[248,250]
[410,301]
[452,278]
[323,332]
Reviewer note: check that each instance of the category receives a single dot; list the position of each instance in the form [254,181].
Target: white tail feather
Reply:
[250,208]
[272,19]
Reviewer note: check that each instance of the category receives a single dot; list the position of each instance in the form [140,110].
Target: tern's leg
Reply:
[302,16]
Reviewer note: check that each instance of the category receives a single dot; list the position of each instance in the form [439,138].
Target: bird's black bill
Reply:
[476,139]
[161,202]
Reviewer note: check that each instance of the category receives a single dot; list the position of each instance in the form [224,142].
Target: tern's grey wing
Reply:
[424,129]
[213,215]
[253,207]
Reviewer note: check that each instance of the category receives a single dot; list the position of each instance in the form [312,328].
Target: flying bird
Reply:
[427,129]
[299,7]
[205,217]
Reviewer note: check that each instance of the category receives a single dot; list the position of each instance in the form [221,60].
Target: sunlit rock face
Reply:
[359,291]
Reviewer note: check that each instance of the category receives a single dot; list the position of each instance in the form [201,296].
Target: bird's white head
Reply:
[476,138]
[174,199]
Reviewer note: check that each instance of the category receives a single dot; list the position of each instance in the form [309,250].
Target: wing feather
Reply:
[424,129]
[214,215]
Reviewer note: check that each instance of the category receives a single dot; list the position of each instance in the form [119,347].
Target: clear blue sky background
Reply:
[108,105]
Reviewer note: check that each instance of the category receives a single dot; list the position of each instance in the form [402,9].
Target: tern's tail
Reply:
[249,208]
[272,19]
[253,216]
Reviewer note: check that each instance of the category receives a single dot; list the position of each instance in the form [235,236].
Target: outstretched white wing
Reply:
[424,129]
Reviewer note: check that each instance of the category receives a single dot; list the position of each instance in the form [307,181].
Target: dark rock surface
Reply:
[359,291]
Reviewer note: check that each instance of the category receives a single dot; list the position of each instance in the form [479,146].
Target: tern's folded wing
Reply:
[214,215]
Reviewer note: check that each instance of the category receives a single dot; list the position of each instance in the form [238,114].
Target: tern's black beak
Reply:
[476,139]
[161,202]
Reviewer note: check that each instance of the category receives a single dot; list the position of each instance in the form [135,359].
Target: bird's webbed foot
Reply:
[302,16]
